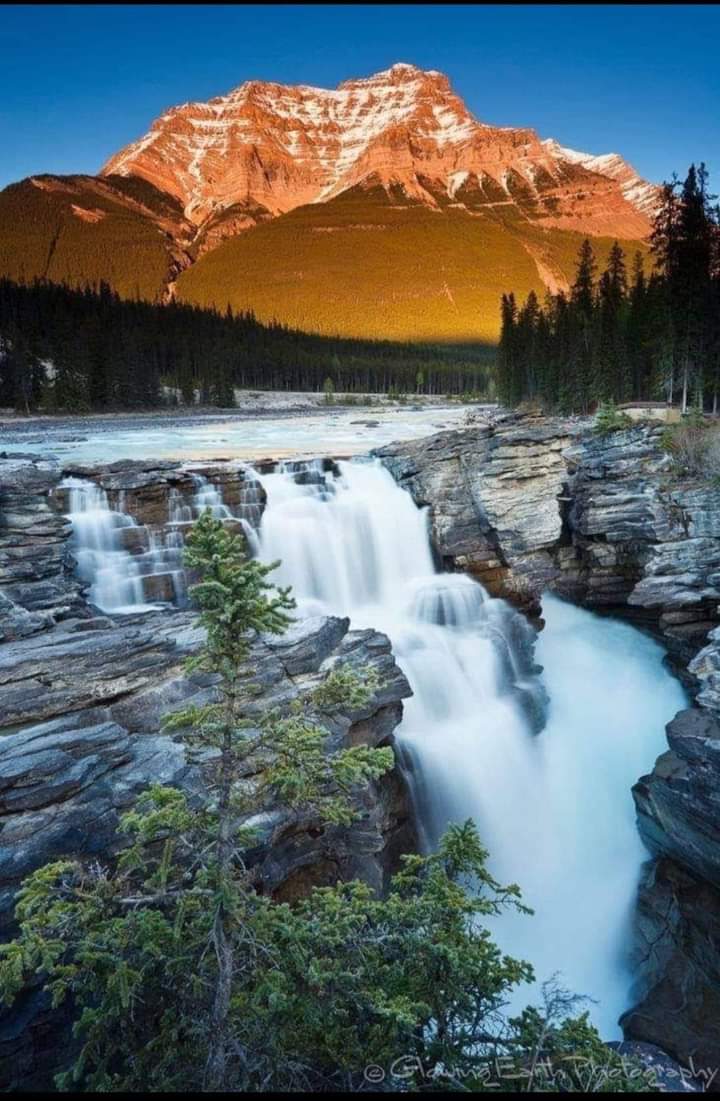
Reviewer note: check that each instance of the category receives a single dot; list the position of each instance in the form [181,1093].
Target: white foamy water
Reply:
[99,545]
[122,561]
[554,808]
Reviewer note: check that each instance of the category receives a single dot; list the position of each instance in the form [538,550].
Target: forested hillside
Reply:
[632,333]
[85,229]
[85,350]
[371,262]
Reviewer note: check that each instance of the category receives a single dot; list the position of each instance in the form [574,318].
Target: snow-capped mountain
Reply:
[264,149]
[380,208]
[642,195]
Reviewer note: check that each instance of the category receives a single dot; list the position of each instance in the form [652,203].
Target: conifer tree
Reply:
[508,384]
[611,341]
[181,899]
[527,347]
[583,329]
[613,376]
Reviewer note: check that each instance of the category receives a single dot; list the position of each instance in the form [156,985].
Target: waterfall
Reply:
[543,763]
[130,567]
[247,514]
[101,542]
[208,496]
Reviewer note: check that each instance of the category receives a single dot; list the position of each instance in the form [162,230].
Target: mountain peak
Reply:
[272,147]
[402,73]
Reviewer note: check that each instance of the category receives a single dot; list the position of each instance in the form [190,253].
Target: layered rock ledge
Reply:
[493,491]
[533,503]
[37,584]
[81,737]
[527,504]
[83,696]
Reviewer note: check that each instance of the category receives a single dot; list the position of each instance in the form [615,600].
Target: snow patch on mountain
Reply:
[282,146]
[639,193]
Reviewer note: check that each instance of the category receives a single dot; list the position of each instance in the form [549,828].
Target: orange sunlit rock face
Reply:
[264,149]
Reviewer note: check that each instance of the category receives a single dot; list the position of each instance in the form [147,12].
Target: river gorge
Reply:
[540,602]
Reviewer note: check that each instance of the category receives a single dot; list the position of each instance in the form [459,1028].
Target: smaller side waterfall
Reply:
[208,496]
[102,542]
[132,567]
[182,513]
[247,514]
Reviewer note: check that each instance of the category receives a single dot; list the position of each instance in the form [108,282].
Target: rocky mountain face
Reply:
[267,197]
[527,504]
[264,149]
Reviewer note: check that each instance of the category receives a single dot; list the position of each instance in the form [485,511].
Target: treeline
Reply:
[87,349]
[627,335]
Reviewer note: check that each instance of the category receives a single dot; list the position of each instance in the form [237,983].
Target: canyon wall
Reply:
[526,504]
[522,503]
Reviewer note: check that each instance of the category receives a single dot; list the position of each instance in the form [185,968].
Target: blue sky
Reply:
[78,82]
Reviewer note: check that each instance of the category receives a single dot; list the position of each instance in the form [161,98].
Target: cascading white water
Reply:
[104,562]
[209,496]
[554,809]
[123,567]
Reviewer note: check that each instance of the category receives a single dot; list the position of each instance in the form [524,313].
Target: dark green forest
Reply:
[82,350]
[636,331]
[629,335]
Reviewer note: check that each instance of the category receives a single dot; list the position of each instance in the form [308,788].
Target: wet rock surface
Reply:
[82,725]
[529,503]
[678,803]
[37,584]
[493,491]
[152,493]
[82,736]
[677,1003]
[644,540]
[603,520]
[678,916]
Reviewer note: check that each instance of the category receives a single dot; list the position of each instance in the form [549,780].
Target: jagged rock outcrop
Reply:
[678,803]
[644,540]
[678,915]
[705,669]
[677,998]
[528,503]
[63,785]
[65,780]
[79,704]
[492,491]
[37,586]
[85,663]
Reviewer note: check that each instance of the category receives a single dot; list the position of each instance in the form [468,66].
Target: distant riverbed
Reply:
[269,428]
